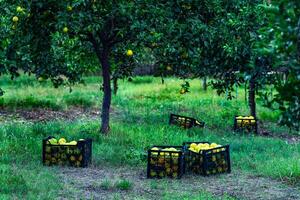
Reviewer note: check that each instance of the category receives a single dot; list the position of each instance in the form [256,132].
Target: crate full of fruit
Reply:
[185,122]
[207,158]
[245,123]
[165,161]
[60,152]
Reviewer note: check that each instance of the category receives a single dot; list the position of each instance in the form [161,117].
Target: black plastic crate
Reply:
[245,123]
[79,155]
[185,122]
[207,162]
[165,163]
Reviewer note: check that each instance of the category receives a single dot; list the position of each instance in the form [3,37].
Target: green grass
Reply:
[139,120]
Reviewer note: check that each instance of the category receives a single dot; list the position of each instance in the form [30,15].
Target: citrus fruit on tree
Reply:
[65,29]
[15,19]
[69,8]
[129,53]
[19,9]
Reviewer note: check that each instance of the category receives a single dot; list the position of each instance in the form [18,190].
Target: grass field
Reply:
[139,119]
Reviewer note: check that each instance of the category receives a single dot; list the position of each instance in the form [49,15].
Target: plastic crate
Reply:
[185,122]
[79,155]
[207,162]
[163,163]
[249,125]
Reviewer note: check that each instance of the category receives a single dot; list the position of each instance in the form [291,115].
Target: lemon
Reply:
[62,141]
[182,91]
[15,19]
[19,9]
[129,53]
[213,145]
[161,174]
[72,158]
[69,8]
[213,158]
[65,29]
[193,145]
[152,173]
[169,68]
[53,141]
[168,170]
[47,162]
[71,143]
[48,149]
[175,175]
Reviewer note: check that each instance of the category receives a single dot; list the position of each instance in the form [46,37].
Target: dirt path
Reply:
[42,114]
[91,183]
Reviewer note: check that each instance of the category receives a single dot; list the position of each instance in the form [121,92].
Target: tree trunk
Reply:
[115,85]
[204,84]
[162,80]
[107,90]
[252,103]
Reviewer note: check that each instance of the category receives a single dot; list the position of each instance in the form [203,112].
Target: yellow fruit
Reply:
[193,145]
[250,117]
[15,19]
[161,174]
[129,53]
[239,121]
[182,91]
[62,141]
[239,117]
[77,163]
[168,170]
[69,8]
[19,9]
[175,175]
[72,143]
[48,149]
[161,161]
[213,145]
[169,68]
[72,158]
[53,160]
[152,173]
[252,121]
[53,141]
[65,29]
[213,158]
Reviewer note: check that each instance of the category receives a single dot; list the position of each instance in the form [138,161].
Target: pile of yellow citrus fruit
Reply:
[164,162]
[245,120]
[61,141]
[215,159]
[62,152]
[198,148]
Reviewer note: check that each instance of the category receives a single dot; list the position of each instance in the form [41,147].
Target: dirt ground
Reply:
[88,183]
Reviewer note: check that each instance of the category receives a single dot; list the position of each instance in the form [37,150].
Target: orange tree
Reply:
[211,38]
[280,41]
[61,40]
